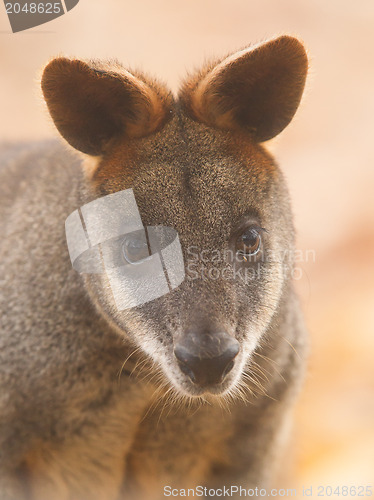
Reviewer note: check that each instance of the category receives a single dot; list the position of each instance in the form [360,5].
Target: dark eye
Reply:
[135,248]
[249,242]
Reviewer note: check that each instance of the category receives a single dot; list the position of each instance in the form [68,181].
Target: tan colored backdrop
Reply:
[327,156]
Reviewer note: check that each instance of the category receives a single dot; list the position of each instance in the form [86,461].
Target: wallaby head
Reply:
[195,164]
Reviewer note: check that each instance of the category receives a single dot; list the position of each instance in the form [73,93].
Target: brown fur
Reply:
[93,404]
[261,81]
[106,102]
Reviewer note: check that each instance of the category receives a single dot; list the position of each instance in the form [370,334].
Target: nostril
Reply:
[182,354]
[184,358]
[228,358]
[187,371]
[228,369]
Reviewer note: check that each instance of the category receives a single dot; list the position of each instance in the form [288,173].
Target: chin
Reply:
[188,389]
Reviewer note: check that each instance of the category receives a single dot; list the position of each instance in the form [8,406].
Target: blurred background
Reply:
[326,154]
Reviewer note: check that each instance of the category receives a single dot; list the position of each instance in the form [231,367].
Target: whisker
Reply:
[289,343]
[126,360]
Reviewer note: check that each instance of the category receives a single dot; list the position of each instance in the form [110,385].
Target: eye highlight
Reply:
[249,243]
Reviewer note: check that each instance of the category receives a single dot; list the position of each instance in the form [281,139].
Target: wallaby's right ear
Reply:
[257,90]
[94,103]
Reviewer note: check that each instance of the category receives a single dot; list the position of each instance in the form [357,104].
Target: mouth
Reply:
[215,390]
[192,390]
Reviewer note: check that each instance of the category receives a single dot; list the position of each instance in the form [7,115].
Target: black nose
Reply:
[206,358]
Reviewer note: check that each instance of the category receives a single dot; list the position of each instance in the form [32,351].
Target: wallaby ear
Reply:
[93,103]
[257,89]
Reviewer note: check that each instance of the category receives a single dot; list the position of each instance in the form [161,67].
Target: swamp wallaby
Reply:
[194,387]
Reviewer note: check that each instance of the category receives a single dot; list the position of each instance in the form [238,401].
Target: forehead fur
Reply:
[196,168]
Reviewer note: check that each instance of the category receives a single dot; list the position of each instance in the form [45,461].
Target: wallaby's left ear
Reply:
[257,89]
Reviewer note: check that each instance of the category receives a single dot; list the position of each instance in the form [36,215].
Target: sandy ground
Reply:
[327,156]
